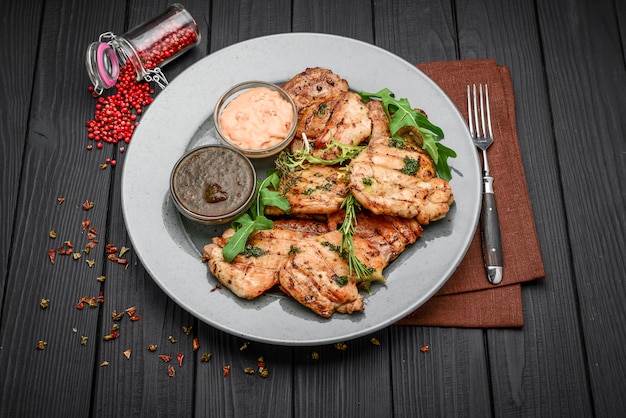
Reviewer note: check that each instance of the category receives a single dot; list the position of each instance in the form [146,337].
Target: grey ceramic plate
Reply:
[181,118]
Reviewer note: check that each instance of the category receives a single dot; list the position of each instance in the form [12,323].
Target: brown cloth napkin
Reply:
[468,299]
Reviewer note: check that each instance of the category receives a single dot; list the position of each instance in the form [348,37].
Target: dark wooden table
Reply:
[567,61]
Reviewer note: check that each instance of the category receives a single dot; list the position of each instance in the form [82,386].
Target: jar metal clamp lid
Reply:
[105,57]
[146,47]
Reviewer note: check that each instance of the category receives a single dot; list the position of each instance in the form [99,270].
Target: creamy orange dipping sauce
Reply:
[257,119]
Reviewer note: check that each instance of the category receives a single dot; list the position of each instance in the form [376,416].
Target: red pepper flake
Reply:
[135,318]
[425,349]
[127,353]
[60,200]
[87,205]
[171,371]
[165,358]
[93,231]
[85,224]
[226,370]
[52,255]
[41,344]
[110,249]
[100,297]
[180,357]
[131,311]
[195,344]
[80,305]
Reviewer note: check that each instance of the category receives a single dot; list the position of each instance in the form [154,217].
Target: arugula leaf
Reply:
[400,113]
[254,219]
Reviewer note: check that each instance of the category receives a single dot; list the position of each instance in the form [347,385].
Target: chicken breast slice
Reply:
[251,274]
[381,181]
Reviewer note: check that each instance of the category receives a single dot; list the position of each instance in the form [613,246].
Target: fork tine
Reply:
[488,110]
[476,120]
[482,112]
[469,111]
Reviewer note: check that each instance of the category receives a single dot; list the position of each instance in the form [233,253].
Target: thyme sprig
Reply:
[348,229]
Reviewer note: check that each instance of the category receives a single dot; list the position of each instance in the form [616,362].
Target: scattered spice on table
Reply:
[180,357]
[104,363]
[425,349]
[127,353]
[374,341]
[41,344]
[195,345]
[152,347]
[205,357]
[172,339]
[315,355]
[341,346]
[171,371]
[44,303]
[226,370]
[83,340]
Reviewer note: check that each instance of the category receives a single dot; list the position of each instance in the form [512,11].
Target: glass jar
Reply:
[146,47]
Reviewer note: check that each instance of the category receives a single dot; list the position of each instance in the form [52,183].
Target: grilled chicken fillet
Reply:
[315,190]
[380,184]
[327,111]
[319,277]
[251,274]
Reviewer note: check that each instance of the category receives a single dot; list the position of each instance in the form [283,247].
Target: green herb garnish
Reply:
[348,229]
[411,166]
[401,114]
[254,219]
[300,158]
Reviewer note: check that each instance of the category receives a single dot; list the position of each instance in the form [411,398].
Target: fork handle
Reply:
[490,231]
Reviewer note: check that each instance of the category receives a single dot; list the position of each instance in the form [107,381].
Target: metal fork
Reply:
[479,118]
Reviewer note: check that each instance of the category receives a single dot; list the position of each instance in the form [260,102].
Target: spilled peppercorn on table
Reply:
[86,331]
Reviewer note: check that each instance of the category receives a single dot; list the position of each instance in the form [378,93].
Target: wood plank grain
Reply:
[57,379]
[510,34]
[17,66]
[586,76]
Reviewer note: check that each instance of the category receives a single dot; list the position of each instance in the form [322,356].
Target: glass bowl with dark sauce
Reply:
[213,184]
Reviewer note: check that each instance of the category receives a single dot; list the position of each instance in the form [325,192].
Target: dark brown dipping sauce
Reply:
[213,181]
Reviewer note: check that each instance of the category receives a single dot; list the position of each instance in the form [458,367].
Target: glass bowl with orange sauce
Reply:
[257,118]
